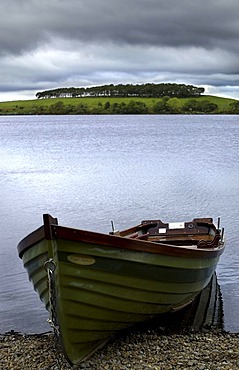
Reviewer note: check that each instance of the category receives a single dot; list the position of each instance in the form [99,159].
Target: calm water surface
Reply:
[89,170]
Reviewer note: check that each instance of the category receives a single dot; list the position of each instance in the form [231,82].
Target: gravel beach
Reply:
[136,350]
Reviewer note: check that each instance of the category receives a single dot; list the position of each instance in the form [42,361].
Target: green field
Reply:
[129,105]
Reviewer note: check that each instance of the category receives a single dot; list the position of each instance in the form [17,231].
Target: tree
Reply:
[57,108]
[107,105]
[195,106]
[136,107]
[161,107]
[234,107]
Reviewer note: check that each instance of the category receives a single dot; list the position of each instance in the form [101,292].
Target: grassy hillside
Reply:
[104,105]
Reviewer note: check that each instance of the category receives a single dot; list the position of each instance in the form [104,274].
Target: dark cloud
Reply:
[77,42]
[207,23]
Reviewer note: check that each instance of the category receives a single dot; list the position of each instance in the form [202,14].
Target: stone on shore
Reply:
[135,350]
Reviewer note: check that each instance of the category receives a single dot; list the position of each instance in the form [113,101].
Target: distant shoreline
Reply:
[205,104]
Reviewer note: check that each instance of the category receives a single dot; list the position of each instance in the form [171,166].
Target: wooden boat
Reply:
[95,284]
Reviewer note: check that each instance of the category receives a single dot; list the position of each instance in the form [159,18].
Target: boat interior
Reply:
[200,233]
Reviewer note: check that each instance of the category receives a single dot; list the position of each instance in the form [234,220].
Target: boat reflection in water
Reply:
[205,313]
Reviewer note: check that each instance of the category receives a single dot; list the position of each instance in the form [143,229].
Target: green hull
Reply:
[100,289]
[33,261]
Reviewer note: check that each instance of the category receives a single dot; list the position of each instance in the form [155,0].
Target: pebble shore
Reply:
[135,351]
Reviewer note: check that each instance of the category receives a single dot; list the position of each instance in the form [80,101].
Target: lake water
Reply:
[89,170]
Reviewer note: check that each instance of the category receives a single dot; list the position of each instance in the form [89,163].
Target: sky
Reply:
[47,44]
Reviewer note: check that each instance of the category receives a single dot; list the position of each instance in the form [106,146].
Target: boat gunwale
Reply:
[30,240]
[114,241]
[51,230]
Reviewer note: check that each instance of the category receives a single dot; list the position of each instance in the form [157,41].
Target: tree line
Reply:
[149,90]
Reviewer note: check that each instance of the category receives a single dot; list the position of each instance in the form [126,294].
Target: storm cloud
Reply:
[55,43]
